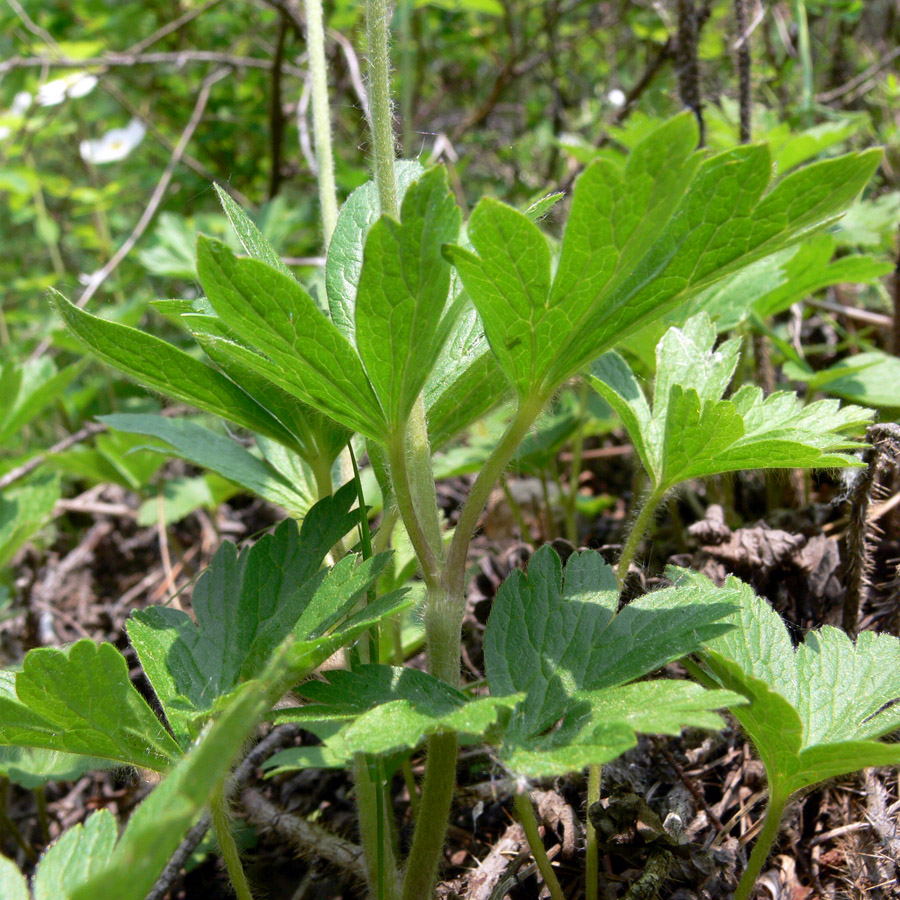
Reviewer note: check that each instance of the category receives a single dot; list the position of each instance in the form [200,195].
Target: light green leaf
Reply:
[81,700]
[164,368]
[815,711]
[345,251]
[29,388]
[693,433]
[31,767]
[402,292]
[384,710]
[305,354]
[249,235]
[24,510]
[209,450]
[80,852]
[12,882]
[870,378]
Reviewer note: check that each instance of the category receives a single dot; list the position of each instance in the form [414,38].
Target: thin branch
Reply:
[861,79]
[171,27]
[123,60]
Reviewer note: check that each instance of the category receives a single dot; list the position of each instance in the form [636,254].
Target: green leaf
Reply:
[555,636]
[73,858]
[816,711]
[345,251]
[24,511]
[223,455]
[249,235]
[402,292]
[693,433]
[164,368]
[29,388]
[30,767]
[304,353]
[384,710]
[80,700]
[639,241]
[869,378]
[12,882]
[245,605]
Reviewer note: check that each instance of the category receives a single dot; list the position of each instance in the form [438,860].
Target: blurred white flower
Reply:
[114,145]
[78,84]
[616,97]
[19,107]
[20,103]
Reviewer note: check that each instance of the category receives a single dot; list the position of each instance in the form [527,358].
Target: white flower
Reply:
[20,103]
[114,145]
[616,97]
[78,84]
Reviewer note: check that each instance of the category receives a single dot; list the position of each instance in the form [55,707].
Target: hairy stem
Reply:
[638,530]
[218,807]
[377,38]
[530,825]
[431,823]
[315,42]
[762,848]
[376,833]
[591,850]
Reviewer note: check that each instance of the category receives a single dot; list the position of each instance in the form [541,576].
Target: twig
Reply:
[307,837]
[687,62]
[177,58]
[20,472]
[171,27]
[353,70]
[276,108]
[851,312]
[743,67]
[862,78]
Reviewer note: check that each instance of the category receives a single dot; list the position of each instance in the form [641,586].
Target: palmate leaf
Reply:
[555,636]
[68,862]
[81,700]
[691,432]
[639,242]
[403,288]
[294,345]
[171,371]
[384,710]
[245,605]
[816,711]
[223,455]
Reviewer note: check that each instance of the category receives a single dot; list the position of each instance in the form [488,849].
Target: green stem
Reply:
[218,808]
[365,538]
[762,848]
[530,826]
[571,502]
[592,855]
[455,566]
[7,824]
[377,39]
[40,800]
[431,824]
[375,832]
[315,42]
[803,49]
[638,530]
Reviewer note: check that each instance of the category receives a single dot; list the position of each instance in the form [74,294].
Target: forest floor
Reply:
[841,840]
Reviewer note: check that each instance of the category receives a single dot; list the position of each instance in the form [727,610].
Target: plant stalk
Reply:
[592,855]
[218,808]
[805,54]
[431,824]
[315,42]
[762,848]
[638,530]
[375,832]
[530,826]
[377,38]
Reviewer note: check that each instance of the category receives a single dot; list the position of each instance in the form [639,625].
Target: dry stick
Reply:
[862,78]
[895,296]
[20,472]
[743,67]
[171,27]
[126,60]
[155,199]
[687,63]
[882,455]
[307,837]
[276,108]
[276,739]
